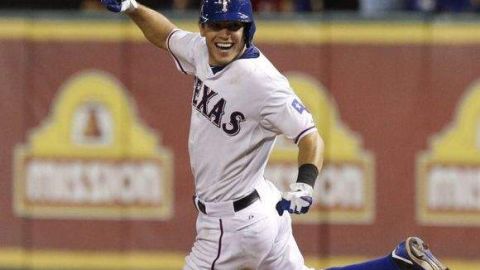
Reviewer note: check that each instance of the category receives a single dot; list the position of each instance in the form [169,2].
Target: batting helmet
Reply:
[230,10]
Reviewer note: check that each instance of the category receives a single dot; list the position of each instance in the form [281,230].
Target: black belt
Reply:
[237,205]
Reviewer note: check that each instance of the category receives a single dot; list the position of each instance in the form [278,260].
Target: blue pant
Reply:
[385,263]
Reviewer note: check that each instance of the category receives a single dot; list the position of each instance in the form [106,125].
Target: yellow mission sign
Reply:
[448,174]
[93,158]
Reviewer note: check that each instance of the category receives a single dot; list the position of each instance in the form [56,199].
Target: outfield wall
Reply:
[94,125]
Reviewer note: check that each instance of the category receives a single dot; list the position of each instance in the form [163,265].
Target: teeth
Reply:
[224,45]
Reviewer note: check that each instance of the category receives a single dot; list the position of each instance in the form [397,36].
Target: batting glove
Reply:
[120,5]
[298,200]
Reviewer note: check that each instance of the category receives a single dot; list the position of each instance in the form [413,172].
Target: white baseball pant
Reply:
[253,238]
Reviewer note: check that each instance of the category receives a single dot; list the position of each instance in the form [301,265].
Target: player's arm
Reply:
[154,25]
[310,159]
[310,151]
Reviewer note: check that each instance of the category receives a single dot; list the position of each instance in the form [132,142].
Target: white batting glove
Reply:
[298,200]
[120,5]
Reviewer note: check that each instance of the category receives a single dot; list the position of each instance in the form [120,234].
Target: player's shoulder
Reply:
[181,33]
[260,74]
[182,38]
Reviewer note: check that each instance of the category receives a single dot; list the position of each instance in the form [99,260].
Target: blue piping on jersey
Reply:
[249,53]
[301,133]
[174,56]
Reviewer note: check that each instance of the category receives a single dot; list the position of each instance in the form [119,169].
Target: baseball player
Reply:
[240,104]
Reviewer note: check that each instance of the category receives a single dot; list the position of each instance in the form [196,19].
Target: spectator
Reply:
[91,5]
[186,4]
[307,5]
[374,7]
[453,5]
[421,5]
[287,5]
[267,5]
[40,4]
[159,4]
[444,5]
[475,5]
[340,4]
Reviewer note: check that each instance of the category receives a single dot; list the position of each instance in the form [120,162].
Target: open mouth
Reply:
[224,46]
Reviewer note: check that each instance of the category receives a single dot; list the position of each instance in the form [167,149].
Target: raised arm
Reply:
[154,25]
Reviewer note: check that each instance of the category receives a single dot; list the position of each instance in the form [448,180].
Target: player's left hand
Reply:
[120,5]
[298,200]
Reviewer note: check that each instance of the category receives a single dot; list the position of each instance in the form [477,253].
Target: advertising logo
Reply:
[93,158]
[344,190]
[448,174]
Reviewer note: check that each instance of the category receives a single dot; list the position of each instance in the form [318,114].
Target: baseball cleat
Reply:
[416,254]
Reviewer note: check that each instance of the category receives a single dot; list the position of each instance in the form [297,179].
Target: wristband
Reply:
[307,173]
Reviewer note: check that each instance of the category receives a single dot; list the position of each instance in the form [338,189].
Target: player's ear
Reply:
[201,28]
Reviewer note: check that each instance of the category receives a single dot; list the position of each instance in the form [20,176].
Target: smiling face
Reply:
[225,41]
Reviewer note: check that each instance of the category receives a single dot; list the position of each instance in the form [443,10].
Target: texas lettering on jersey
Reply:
[202,96]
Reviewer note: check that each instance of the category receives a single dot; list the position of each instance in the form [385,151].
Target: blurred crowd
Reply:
[371,7]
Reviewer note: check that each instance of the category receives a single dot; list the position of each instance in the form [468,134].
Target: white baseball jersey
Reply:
[236,114]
